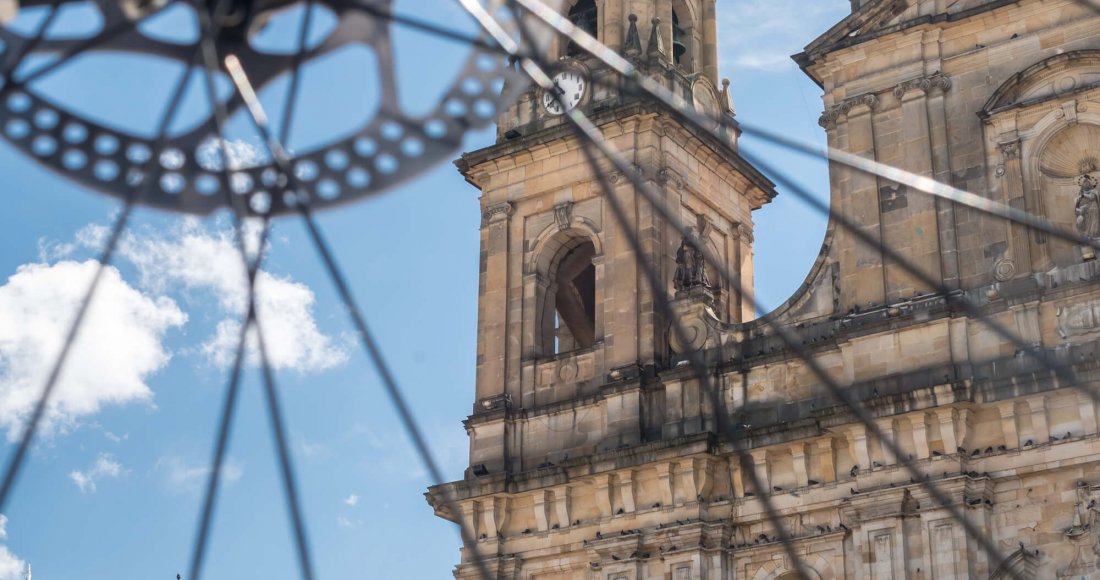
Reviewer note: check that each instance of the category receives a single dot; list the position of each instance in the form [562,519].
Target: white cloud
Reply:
[345,522]
[11,566]
[313,450]
[118,347]
[104,467]
[351,500]
[193,258]
[763,34]
[183,477]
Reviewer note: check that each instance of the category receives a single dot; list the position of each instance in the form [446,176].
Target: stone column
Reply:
[626,490]
[919,422]
[561,505]
[542,510]
[745,274]
[710,41]
[861,263]
[1017,259]
[666,474]
[946,418]
[941,156]
[1038,406]
[737,480]
[493,320]
[798,454]
[760,467]
[857,446]
[612,23]
[889,430]
[1088,413]
[909,218]
[603,495]
[1008,424]
[826,459]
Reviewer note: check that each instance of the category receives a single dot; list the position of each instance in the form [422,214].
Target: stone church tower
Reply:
[594,450]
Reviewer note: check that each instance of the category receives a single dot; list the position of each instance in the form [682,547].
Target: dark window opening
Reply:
[583,16]
[575,301]
[678,46]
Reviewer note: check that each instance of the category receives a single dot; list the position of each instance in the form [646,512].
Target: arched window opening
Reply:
[575,300]
[582,15]
[679,48]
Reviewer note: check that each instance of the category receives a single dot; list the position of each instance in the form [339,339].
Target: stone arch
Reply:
[571,9]
[686,18]
[1052,77]
[1055,153]
[1022,563]
[1041,122]
[817,568]
[553,237]
[567,272]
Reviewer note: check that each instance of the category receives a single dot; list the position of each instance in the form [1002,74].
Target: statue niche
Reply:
[1068,189]
[1087,210]
[691,266]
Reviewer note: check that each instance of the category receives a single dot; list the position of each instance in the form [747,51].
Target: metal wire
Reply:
[252,266]
[591,134]
[370,344]
[77,49]
[18,57]
[592,143]
[15,463]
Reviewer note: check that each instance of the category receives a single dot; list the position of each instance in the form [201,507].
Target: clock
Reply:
[570,85]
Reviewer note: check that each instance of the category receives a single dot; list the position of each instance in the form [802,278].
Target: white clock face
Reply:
[570,85]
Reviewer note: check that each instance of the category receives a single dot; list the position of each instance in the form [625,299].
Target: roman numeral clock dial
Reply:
[569,88]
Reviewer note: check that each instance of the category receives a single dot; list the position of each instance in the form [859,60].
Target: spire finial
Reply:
[656,41]
[633,45]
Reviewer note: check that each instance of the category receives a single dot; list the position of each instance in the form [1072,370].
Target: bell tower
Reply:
[575,362]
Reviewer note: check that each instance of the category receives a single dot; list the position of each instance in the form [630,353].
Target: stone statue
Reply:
[1087,207]
[685,265]
[691,266]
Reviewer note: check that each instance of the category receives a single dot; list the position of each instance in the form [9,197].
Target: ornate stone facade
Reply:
[605,462]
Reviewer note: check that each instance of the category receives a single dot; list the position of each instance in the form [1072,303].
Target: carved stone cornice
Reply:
[927,84]
[498,211]
[831,115]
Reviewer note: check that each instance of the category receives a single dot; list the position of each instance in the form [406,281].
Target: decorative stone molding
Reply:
[498,211]
[1004,270]
[927,84]
[563,215]
[1009,150]
[831,115]
[1078,319]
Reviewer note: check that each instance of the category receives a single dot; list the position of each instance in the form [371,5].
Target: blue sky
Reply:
[112,488]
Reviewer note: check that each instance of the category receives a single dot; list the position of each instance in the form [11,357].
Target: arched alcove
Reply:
[584,14]
[567,299]
[1067,154]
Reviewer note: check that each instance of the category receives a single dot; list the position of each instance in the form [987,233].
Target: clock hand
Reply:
[557,89]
